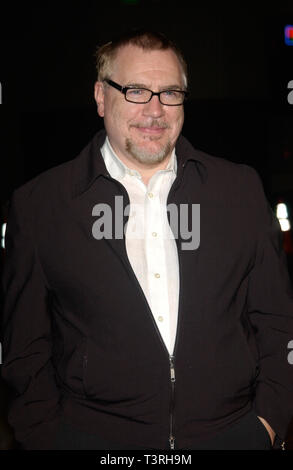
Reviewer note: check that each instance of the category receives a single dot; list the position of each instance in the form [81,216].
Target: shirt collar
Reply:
[89,164]
[118,169]
[114,165]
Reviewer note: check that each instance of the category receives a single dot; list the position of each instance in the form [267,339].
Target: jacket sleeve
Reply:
[270,307]
[26,332]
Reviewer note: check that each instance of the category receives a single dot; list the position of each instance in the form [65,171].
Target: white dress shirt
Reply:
[150,244]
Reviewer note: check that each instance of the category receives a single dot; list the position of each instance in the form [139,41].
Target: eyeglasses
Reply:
[143,95]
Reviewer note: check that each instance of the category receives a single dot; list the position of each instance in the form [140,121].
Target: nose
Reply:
[153,108]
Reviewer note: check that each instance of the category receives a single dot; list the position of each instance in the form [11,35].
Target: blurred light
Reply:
[289,35]
[290,95]
[282,212]
[285,225]
[3,229]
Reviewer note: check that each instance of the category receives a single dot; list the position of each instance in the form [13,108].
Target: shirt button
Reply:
[160,318]
[150,195]
[154,234]
[157,275]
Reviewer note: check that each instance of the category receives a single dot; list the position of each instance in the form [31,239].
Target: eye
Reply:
[170,93]
[135,91]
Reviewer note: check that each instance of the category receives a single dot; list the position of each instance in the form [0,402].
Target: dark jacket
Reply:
[79,338]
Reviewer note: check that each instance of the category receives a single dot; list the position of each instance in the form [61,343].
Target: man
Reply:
[120,333]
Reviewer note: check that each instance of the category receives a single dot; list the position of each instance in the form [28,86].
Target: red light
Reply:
[289,35]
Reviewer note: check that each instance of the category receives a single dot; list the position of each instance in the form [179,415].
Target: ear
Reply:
[99,97]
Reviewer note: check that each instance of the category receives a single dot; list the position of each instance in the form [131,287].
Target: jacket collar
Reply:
[89,164]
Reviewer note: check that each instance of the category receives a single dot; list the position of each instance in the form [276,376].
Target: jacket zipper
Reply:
[175,185]
[172,377]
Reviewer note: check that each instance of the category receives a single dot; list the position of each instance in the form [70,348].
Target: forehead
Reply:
[133,63]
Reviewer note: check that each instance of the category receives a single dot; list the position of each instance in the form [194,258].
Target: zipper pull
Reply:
[172,369]
[172,442]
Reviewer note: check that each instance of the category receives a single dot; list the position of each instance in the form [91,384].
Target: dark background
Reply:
[239,70]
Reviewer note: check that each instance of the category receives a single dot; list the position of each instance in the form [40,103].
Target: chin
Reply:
[145,154]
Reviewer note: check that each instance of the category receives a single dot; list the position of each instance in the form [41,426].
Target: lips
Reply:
[151,130]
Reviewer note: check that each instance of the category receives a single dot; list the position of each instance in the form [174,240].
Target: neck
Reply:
[146,170]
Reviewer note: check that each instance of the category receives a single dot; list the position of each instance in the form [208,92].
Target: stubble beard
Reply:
[145,156]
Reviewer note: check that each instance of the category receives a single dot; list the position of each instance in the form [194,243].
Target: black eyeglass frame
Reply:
[124,89]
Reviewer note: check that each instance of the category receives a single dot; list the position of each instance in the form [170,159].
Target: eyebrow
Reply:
[143,85]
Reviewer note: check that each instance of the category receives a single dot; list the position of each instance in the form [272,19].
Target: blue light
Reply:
[288,31]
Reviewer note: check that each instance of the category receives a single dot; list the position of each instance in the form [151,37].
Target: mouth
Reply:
[153,130]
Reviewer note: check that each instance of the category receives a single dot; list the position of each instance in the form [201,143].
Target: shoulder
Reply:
[219,171]
[46,185]
[58,183]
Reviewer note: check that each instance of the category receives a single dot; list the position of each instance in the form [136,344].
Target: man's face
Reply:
[144,133]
